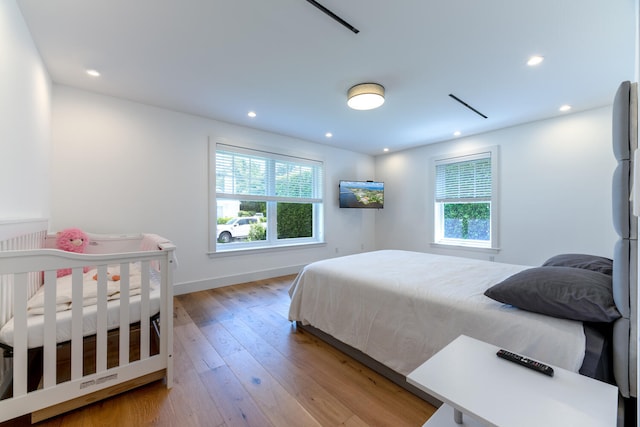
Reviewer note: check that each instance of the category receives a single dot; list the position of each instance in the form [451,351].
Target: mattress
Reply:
[402,307]
[35,319]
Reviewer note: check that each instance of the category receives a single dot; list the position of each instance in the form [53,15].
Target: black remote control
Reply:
[521,360]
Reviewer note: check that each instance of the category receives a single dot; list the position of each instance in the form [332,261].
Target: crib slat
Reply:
[124,313]
[6,289]
[144,310]
[166,316]
[49,339]
[101,321]
[20,340]
[6,298]
[77,324]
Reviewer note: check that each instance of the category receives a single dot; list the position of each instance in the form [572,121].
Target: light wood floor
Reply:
[239,362]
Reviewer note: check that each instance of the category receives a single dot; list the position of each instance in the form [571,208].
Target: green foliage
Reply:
[224,219]
[295,220]
[466,212]
[257,232]
[249,208]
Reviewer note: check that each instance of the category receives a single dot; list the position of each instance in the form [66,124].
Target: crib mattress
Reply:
[35,318]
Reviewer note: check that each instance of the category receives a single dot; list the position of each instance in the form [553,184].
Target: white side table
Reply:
[470,379]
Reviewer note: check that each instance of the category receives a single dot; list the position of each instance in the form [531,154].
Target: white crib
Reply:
[36,375]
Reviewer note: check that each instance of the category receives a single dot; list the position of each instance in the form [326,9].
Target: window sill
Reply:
[263,249]
[454,246]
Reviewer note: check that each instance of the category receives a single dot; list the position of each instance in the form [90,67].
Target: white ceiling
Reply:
[293,65]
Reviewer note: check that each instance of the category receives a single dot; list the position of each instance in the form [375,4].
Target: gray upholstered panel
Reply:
[633,118]
[621,276]
[621,331]
[625,265]
[625,329]
[625,293]
[621,122]
[620,199]
[633,318]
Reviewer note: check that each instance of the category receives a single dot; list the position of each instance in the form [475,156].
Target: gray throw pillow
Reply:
[564,292]
[588,262]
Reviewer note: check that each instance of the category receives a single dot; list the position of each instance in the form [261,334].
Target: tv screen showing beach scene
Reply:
[361,194]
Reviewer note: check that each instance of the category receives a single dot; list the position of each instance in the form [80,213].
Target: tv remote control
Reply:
[528,363]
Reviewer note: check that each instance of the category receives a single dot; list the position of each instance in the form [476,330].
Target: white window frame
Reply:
[271,242]
[438,207]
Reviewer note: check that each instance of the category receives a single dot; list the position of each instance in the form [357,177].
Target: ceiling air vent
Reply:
[467,105]
[334,16]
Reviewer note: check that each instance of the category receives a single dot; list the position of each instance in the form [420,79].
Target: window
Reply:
[264,199]
[465,199]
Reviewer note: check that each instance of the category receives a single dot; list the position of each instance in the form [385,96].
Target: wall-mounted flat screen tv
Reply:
[361,194]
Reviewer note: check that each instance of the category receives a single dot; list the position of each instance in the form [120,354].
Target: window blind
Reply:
[464,180]
[267,176]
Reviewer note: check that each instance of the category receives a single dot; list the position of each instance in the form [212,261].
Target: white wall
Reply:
[25,117]
[124,167]
[555,190]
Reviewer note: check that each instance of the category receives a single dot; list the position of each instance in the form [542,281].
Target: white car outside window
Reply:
[235,228]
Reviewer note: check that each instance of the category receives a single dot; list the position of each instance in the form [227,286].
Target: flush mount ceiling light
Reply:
[365,96]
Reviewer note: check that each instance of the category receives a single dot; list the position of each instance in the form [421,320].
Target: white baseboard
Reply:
[218,282]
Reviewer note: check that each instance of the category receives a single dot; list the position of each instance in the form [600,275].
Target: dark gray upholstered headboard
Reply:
[625,266]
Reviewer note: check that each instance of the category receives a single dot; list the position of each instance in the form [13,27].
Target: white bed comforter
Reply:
[401,308]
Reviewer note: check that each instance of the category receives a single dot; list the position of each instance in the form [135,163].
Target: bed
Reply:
[72,340]
[394,309]
[402,307]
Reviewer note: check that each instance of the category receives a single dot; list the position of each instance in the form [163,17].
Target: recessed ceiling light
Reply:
[535,60]
[457,133]
[251,114]
[93,73]
[328,134]
[565,107]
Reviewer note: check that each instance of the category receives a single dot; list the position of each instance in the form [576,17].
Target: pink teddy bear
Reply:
[71,240]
